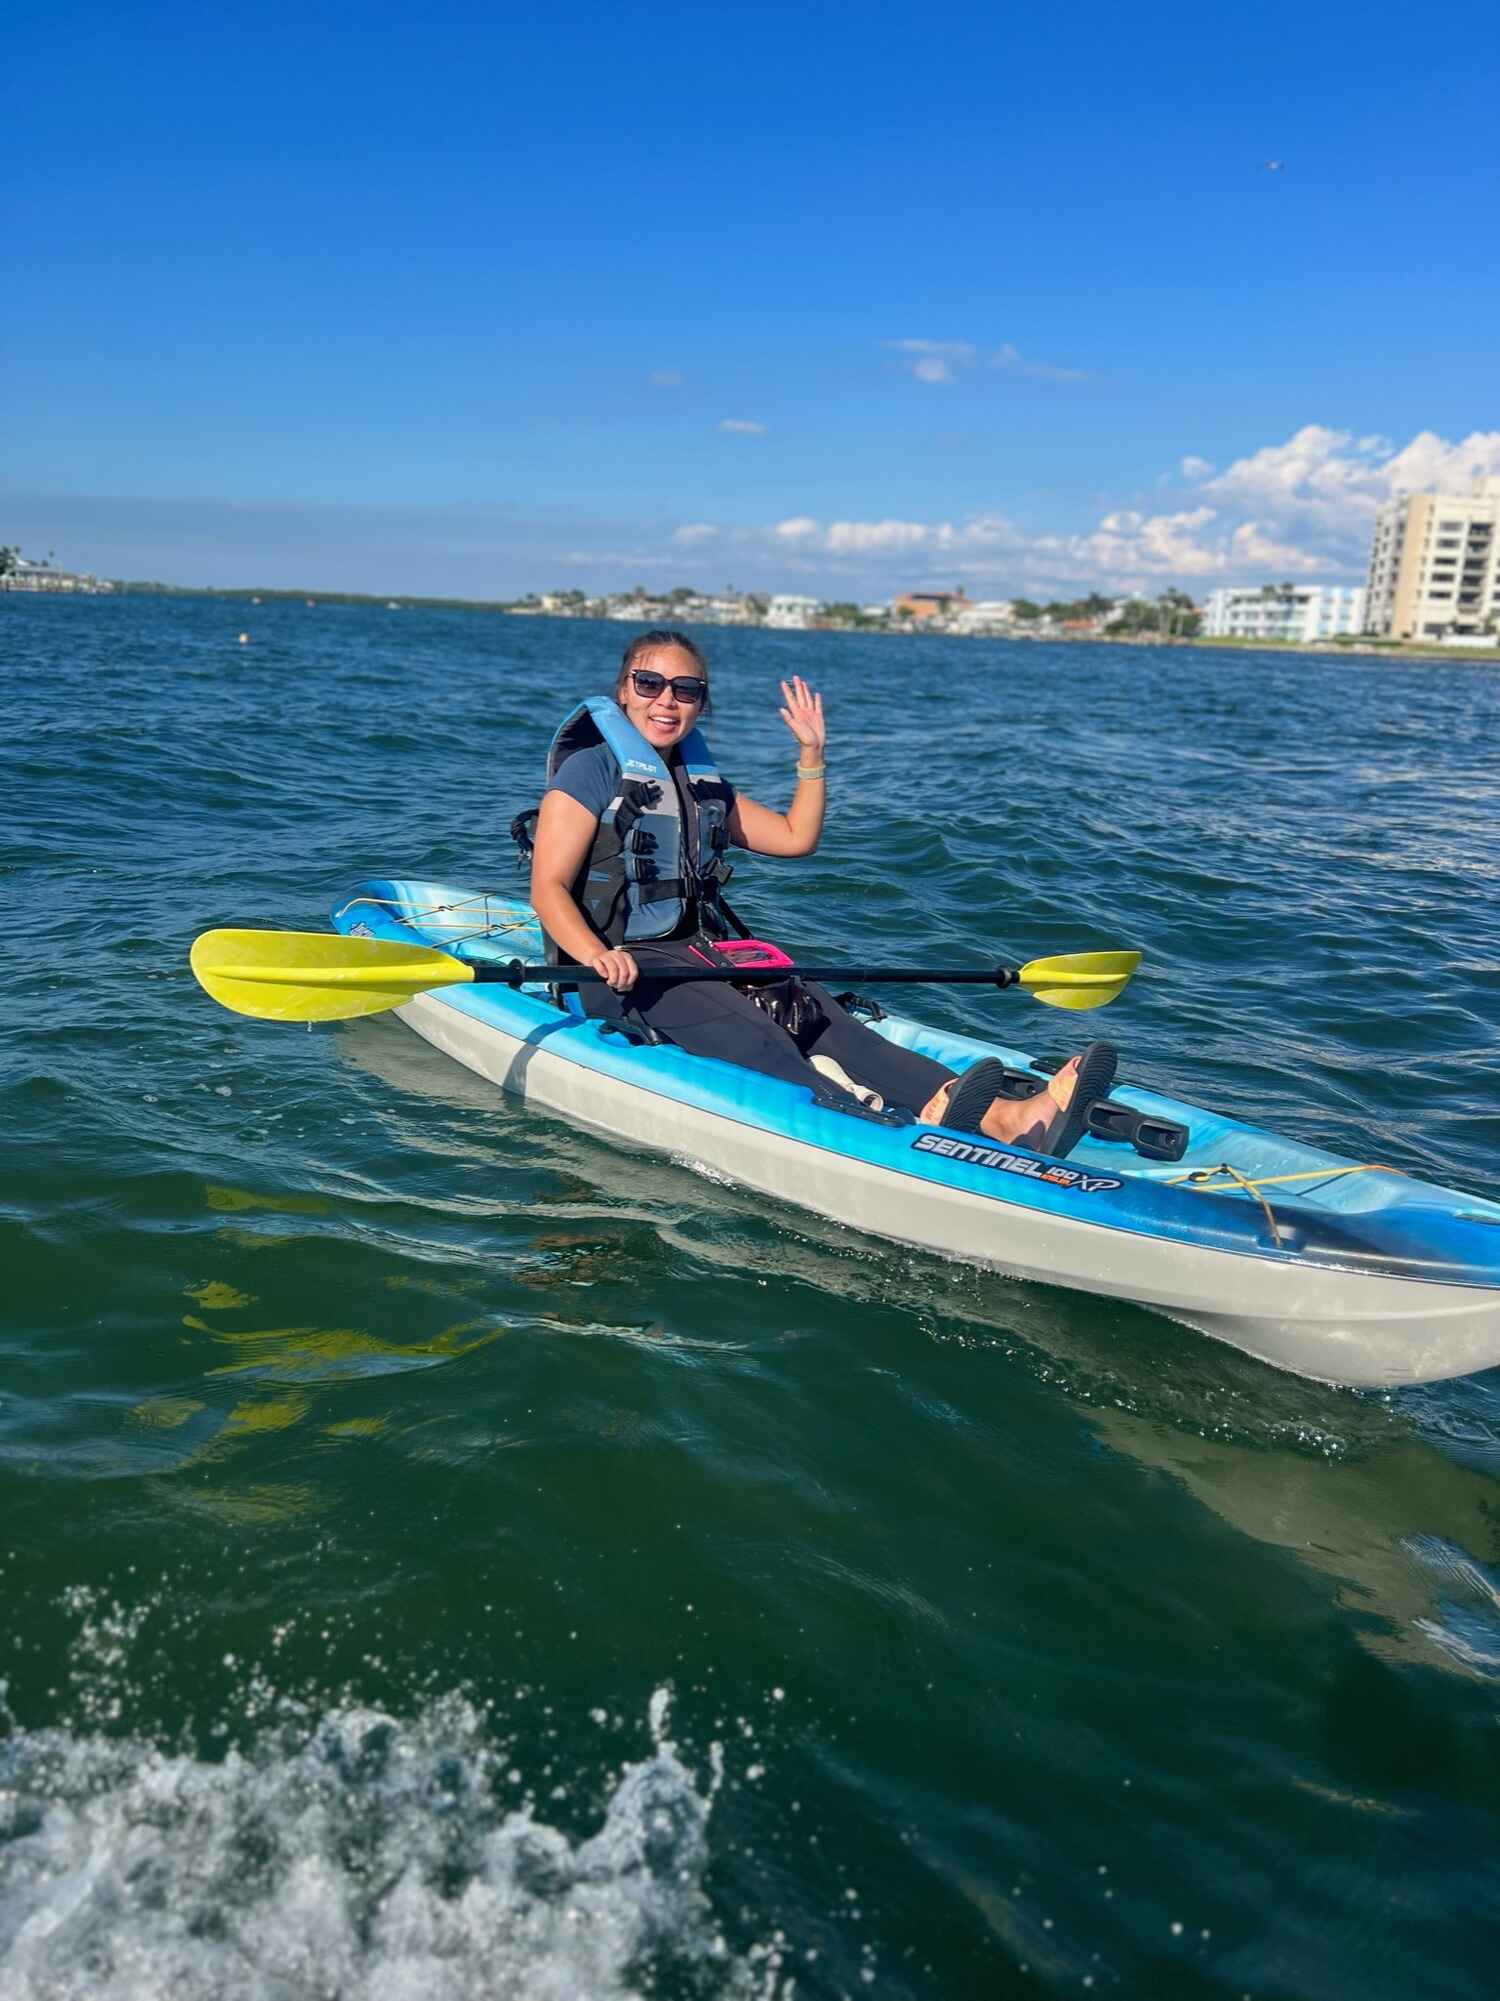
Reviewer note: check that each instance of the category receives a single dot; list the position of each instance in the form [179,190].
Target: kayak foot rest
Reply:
[1018,1083]
[855,1108]
[1152,1138]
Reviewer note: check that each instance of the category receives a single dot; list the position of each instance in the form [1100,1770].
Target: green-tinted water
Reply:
[445,1555]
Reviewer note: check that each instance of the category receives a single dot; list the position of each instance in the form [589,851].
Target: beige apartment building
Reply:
[1434,567]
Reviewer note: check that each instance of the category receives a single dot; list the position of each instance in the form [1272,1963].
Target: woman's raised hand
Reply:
[803,716]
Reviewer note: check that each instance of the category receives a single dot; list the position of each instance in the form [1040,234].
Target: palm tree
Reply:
[1174,605]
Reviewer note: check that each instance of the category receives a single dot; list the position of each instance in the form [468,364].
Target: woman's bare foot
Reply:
[1025,1121]
[1014,1118]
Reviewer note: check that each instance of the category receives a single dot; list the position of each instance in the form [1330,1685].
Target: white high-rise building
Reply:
[1435,566]
[1284,611]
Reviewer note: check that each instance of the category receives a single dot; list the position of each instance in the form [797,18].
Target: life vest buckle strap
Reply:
[659,889]
[523,833]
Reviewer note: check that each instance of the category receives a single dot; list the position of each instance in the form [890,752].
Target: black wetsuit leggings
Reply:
[714,1019]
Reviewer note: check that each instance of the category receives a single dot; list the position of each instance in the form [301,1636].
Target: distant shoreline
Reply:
[251,593]
[1381,649]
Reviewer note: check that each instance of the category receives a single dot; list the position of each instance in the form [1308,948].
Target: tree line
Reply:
[1172,614]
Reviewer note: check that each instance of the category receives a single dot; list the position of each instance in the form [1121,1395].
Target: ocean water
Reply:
[445,1555]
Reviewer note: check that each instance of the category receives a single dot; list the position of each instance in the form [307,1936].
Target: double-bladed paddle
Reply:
[325,976]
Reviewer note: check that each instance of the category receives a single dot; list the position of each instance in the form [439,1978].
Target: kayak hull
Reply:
[1369,1331]
[1392,1292]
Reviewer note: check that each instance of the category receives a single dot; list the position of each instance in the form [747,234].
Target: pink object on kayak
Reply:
[753,952]
[747,952]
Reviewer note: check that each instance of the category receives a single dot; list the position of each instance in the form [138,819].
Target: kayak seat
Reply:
[638,1032]
[618,1028]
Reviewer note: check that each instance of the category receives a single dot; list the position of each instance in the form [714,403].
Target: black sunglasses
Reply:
[686,687]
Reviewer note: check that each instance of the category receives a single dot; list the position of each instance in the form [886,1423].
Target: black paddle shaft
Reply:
[514,974]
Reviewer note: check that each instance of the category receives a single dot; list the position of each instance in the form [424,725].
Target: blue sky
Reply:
[476,300]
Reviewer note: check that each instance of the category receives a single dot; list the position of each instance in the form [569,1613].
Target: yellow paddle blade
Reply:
[1079,979]
[316,975]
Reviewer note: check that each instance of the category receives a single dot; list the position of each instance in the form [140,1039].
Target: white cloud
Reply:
[745,427]
[1319,489]
[693,532]
[1300,508]
[1320,474]
[632,561]
[1040,371]
[933,361]
[942,361]
[1432,463]
[847,538]
[1250,547]
[1164,545]
[664,378]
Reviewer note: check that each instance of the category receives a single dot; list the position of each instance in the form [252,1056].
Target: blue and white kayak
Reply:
[1334,1269]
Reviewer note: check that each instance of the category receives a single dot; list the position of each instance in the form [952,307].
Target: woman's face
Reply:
[662,719]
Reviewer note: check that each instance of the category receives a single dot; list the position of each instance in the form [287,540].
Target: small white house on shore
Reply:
[793,614]
[985,615]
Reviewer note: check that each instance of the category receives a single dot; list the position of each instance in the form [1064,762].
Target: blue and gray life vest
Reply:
[645,869]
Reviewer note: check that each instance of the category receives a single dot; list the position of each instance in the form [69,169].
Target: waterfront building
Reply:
[1435,566]
[793,614]
[984,615]
[928,604]
[638,611]
[1300,612]
[25,575]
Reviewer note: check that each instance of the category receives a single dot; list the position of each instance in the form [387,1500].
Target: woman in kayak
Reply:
[624,879]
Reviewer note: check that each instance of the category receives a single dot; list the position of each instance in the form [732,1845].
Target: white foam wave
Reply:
[1468,1626]
[352,1855]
